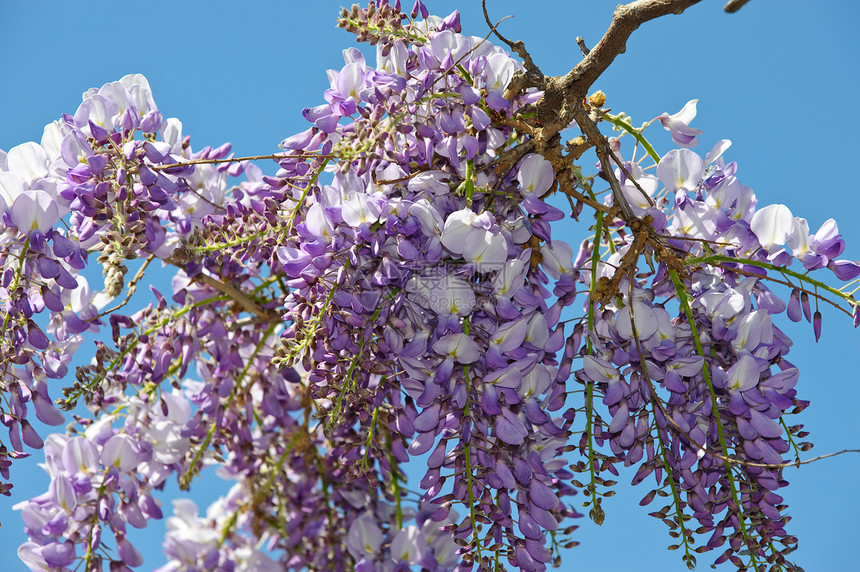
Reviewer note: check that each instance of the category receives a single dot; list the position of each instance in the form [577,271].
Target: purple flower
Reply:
[845,270]
[34,210]
[678,125]
[364,538]
[681,169]
[121,451]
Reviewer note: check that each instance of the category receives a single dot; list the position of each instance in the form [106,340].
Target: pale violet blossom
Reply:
[717,151]
[121,451]
[409,545]
[510,335]
[11,186]
[680,169]
[535,382]
[599,370]
[638,201]
[359,209]
[318,223]
[364,538]
[511,277]
[678,124]
[744,374]
[753,329]
[798,237]
[557,259]
[695,219]
[460,347]
[487,250]
[443,295]
[535,174]
[449,47]
[34,210]
[458,226]
[644,318]
[537,333]
[395,61]
[28,160]
[99,111]
[771,225]
[499,72]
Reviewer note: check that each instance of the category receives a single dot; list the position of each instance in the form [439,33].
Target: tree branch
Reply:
[561,92]
[626,19]
[182,255]
[580,41]
[237,295]
[604,153]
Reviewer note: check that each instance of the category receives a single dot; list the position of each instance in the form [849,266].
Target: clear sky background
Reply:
[778,78]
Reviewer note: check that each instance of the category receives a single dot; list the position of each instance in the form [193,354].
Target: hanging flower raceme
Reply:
[699,399]
[409,261]
[397,292]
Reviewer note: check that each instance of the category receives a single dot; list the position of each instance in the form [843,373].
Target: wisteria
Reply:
[397,292]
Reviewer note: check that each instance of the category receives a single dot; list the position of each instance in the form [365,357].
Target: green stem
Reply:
[395,482]
[133,343]
[310,334]
[305,193]
[716,258]
[21,257]
[369,440]
[88,557]
[643,363]
[790,438]
[185,479]
[225,532]
[676,500]
[637,133]
[589,386]
[350,379]
[468,453]
[706,373]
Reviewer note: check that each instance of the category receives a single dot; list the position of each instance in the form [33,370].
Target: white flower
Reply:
[772,225]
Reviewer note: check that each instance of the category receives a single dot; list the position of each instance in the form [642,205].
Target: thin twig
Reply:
[247,304]
[778,281]
[807,461]
[590,130]
[518,47]
[563,92]
[236,160]
[744,462]
[571,192]
[734,5]
[626,19]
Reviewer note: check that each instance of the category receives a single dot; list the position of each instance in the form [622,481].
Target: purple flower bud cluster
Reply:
[40,268]
[394,293]
[81,173]
[688,360]
[423,306]
[73,172]
[193,542]
[99,171]
[95,490]
[126,183]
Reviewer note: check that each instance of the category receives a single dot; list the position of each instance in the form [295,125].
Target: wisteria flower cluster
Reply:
[395,294]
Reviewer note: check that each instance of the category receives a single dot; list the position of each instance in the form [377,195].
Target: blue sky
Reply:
[778,79]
